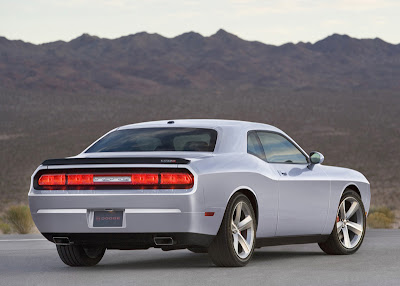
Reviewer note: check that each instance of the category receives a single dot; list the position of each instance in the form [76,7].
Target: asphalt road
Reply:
[29,260]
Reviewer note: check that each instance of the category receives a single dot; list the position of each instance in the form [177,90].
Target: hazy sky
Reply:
[268,21]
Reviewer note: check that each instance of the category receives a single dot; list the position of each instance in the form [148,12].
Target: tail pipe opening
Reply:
[161,241]
[62,241]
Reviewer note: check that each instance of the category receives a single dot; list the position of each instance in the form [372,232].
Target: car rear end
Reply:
[121,203]
[132,201]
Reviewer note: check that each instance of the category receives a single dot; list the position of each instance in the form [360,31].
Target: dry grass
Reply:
[19,218]
[381,217]
[4,227]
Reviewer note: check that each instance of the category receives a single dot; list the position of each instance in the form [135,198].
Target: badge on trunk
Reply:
[107,219]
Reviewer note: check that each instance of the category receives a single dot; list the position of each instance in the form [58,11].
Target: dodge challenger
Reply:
[220,187]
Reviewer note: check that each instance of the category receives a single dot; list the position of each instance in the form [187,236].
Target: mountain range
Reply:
[149,62]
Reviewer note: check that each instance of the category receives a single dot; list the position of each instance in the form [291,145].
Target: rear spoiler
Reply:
[137,160]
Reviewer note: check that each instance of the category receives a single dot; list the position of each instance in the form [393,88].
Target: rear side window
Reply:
[157,139]
[278,149]
[253,146]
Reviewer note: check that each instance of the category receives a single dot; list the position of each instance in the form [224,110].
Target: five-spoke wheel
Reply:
[242,230]
[349,230]
[350,222]
[235,241]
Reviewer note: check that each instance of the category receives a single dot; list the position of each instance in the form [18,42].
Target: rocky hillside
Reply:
[149,62]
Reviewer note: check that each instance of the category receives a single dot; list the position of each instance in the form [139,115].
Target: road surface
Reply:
[30,260]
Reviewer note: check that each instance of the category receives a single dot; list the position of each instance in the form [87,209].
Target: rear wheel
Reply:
[234,244]
[77,255]
[349,229]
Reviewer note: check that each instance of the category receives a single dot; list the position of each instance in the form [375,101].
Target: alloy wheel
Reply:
[243,230]
[350,223]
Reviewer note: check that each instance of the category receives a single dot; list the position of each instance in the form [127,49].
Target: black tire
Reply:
[198,249]
[333,245]
[77,255]
[221,250]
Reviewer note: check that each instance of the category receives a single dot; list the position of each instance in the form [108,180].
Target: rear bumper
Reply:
[134,240]
[143,213]
[135,221]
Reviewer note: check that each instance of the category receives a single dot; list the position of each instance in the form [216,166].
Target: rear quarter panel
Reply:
[225,174]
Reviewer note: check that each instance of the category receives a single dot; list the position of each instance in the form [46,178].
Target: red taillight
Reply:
[145,179]
[84,179]
[176,179]
[52,180]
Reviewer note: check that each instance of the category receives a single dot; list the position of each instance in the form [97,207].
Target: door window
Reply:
[278,149]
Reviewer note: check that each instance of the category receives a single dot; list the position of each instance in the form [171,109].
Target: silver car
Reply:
[217,186]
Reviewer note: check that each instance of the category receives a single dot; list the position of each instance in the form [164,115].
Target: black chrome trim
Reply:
[100,171]
[89,161]
[293,239]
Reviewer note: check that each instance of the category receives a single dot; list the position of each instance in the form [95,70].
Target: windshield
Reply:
[157,139]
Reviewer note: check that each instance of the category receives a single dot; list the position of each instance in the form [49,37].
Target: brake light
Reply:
[144,180]
[176,179]
[84,179]
[52,180]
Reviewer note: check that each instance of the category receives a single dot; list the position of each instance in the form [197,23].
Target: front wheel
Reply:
[77,255]
[234,243]
[349,229]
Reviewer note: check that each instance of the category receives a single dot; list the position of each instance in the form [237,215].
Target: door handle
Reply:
[282,173]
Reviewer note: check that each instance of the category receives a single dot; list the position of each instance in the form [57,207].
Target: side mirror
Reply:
[316,157]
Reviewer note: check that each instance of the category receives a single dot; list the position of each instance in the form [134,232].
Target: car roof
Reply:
[203,123]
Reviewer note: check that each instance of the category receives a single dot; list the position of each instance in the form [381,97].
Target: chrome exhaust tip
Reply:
[162,241]
[62,241]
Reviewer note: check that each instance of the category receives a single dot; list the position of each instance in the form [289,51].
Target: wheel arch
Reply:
[250,194]
[335,202]
[352,187]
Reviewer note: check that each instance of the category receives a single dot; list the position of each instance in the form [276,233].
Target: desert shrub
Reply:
[4,227]
[19,218]
[380,217]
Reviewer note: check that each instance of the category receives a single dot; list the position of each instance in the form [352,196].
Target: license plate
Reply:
[107,219]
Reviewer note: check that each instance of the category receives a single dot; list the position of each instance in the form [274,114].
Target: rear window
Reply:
[157,139]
